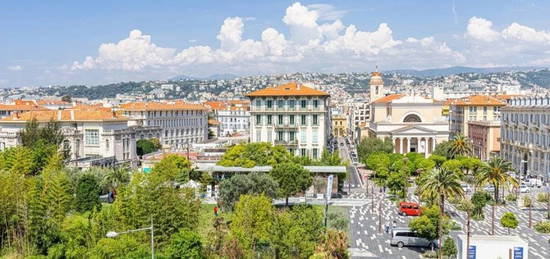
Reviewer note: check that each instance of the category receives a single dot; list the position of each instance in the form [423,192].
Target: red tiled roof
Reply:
[479,100]
[388,98]
[158,106]
[289,89]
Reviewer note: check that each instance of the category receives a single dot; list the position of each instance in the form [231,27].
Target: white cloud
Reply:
[15,68]
[481,29]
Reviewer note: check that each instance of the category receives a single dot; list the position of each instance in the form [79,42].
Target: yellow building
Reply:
[340,125]
[473,108]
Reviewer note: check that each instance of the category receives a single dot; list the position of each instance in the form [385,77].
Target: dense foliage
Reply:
[371,145]
[146,146]
[231,189]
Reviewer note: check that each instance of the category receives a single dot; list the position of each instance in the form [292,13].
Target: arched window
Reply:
[412,118]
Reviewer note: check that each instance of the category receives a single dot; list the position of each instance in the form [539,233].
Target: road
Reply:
[345,154]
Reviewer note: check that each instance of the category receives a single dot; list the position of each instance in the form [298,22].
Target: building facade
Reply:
[292,115]
[485,138]
[525,135]
[473,108]
[339,125]
[182,124]
[99,135]
[233,116]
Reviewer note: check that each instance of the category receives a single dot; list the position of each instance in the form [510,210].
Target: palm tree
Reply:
[442,184]
[495,172]
[460,146]
[468,207]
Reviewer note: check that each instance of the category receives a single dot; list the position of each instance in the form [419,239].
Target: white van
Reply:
[406,237]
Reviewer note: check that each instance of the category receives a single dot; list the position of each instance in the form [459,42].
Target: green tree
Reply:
[442,184]
[232,188]
[330,159]
[334,244]
[509,220]
[171,167]
[430,225]
[292,179]
[449,248]
[443,149]
[468,207]
[49,134]
[252,221]
[185,244]
[124,246]
[495,172]
[87,193]
[255,154]
[371,145]
[528,203]
[460,145]
[480,199]
[146,146]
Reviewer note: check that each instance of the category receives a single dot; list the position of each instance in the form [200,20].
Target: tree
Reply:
[442,184]
[460,145]
[468,207]
[185,244]
[480,199]
[449,248]
[430,225]
[232,188]
[292,178]
[495,172]
[252,221]
[146,146]
[50,134]
[329,159]
[509,220]
[334,244]
[171,167]
[373,144]
[528,203]
[87,193]
[66,98]
[443,149]
[255,154]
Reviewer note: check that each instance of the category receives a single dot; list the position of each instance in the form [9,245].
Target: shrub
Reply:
[543,227]
[449,247]
[511,197]
[542,197]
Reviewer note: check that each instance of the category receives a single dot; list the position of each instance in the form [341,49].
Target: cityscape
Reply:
[316,139]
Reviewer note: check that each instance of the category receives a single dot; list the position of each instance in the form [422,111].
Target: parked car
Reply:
[409,209]
[489,188]
[466,188]
[524,188]
[406,237]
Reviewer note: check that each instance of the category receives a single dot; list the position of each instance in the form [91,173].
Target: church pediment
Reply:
[413,129]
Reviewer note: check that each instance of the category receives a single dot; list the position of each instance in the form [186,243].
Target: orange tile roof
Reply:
[388,98]
[21,107]
[213,122]
[216,105]
[25,102]
[289,89]
[59,102]
[65,115]
[505,97]
[158,106]
[479,100]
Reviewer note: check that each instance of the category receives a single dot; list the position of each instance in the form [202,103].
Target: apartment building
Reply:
[473,108]
[233,116]
[485,138]
[182,124]
[292,115]
[525,135]
[93,137]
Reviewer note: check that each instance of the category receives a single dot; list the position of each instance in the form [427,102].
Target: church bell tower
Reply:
[376,86]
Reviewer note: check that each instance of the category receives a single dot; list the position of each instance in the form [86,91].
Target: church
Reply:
[414,123]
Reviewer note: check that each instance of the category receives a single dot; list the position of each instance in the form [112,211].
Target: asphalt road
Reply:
[353,178]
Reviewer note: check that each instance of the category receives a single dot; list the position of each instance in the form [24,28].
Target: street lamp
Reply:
[113,234]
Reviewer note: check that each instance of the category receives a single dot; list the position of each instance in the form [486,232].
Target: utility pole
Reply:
[380,213]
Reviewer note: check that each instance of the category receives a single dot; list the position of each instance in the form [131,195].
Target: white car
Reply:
[523,188]
[489,188]
[466,188]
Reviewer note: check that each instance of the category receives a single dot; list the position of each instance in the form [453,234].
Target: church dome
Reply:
[376,78]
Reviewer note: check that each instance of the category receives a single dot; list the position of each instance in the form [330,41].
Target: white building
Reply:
[233,116]
[492,247]
[182,123]
[525,135]
[98,135]
[292,115]
[414,123]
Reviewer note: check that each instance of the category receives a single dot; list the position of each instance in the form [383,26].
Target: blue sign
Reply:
[518,252]
[472,252]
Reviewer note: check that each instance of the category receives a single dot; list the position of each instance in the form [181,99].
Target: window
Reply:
[92,137]
[269,136]
[315,153]
[412,118]
[303,138]
[315,104]
[303,119]
[291,119]
[280,104]
[258,136]
[280,119]
[292,136]
[280,135]
[303,104]
[315,119]
[258,119]
[303,152]
[269,119]
[269,104]
[107,145]
[315,137]
[291,104]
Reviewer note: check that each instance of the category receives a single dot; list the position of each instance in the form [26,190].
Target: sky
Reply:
[96,42]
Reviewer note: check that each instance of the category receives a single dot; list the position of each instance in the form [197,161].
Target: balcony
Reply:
[286,142]
[286,126]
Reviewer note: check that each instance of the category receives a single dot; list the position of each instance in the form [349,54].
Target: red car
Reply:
[409,209]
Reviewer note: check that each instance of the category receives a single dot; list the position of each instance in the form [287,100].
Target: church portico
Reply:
[420,144]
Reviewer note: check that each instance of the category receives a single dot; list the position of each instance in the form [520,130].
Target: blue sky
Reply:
[48,42]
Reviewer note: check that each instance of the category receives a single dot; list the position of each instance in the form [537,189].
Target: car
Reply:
[406,237]
[466,188]
[409,209]
[489,188]
[524,188]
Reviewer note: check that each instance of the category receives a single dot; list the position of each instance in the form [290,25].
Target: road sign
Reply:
[472,252]
[518,252]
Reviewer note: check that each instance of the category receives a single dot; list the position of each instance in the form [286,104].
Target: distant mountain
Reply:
[459,70]
[211,77]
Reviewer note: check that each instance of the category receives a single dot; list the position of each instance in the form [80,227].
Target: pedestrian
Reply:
[393,225]
[216,211]
[387,228]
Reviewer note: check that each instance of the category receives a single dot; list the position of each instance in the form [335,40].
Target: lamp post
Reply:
[112,234]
